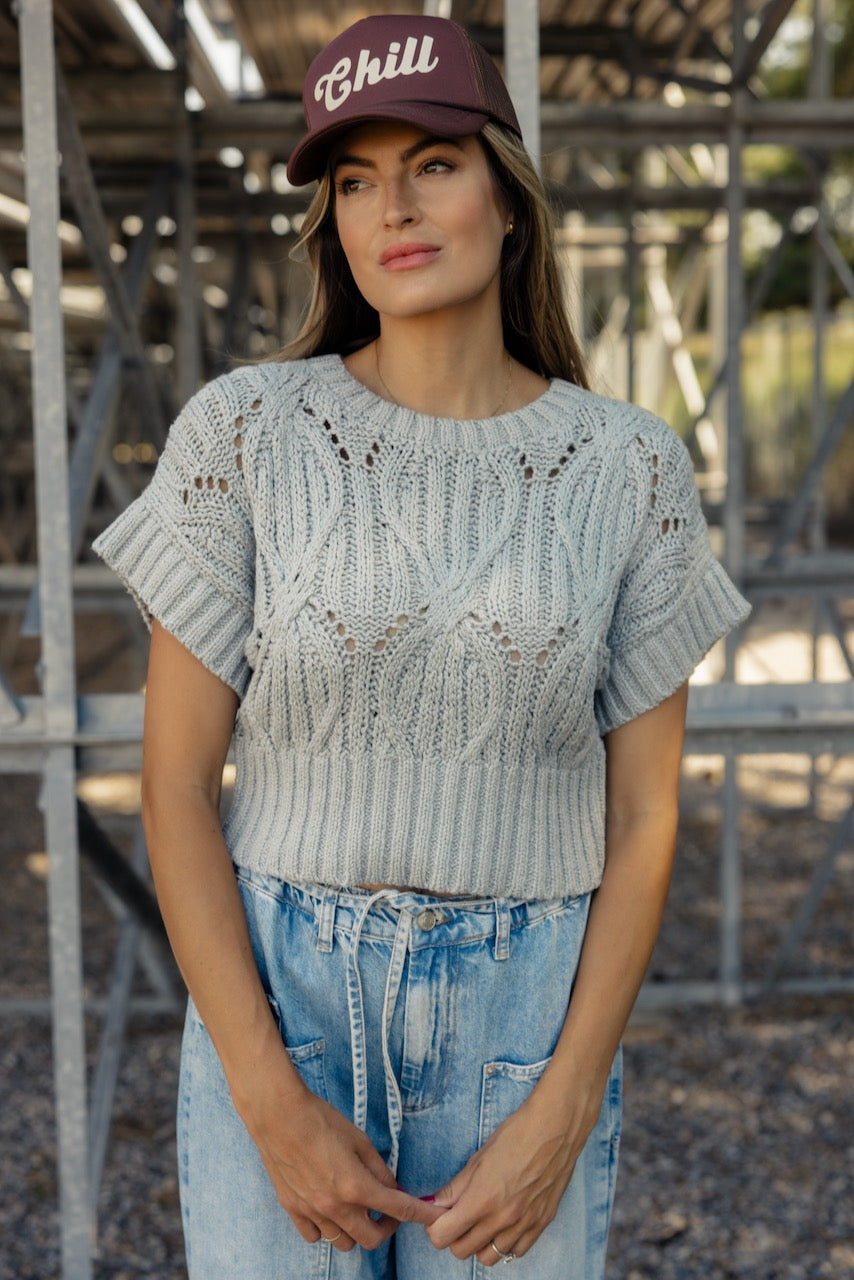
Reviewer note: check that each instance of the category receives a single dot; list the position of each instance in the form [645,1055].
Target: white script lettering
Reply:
[336,86]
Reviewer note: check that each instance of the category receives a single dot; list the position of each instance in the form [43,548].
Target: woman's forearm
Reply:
[204,917]
[625,916]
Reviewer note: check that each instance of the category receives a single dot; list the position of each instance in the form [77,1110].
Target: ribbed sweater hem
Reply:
[443,825]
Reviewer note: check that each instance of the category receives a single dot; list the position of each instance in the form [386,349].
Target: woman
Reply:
[446,601]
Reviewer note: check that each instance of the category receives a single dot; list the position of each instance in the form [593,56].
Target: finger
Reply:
[364,1230]
[374,1163]
[454,1219]
[393,1203]
[307,1228]
[336,1236]
[496,1251]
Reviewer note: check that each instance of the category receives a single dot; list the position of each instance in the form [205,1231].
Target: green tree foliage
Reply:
[785,73]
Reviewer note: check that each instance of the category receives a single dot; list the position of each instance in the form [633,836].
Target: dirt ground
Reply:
[738,1146]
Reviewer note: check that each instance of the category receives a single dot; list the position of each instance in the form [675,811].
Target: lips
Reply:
[401,257]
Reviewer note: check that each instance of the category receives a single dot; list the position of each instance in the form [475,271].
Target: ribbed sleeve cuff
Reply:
[167,585]
[643,676]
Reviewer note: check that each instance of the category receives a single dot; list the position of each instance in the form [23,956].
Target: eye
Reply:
[436,165]
[347,186]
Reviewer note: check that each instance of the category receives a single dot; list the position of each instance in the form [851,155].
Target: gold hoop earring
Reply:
[509,230]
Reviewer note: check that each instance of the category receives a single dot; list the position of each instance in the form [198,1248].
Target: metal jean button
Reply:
[427,919]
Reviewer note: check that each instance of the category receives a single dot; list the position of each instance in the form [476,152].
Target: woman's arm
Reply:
[326,1172]
[511,1188]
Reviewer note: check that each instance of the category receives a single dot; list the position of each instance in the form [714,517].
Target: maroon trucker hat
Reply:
[424,71]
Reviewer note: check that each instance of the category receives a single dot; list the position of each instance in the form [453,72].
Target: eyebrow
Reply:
[409,154]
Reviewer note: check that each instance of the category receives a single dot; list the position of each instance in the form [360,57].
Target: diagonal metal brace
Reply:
[84,193]
[811,479]
[809,904]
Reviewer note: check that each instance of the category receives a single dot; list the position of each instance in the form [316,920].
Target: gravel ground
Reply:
[738,1149]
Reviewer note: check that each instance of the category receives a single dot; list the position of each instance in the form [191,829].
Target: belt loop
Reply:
[501,950]
[326,919]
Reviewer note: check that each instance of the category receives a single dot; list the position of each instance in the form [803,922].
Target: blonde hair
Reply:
[536,326]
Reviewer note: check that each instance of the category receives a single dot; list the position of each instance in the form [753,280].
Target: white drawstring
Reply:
[358,1047]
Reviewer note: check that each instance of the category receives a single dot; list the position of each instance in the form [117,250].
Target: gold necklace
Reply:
[494,413]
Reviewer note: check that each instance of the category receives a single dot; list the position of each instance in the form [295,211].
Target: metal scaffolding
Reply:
[58,735]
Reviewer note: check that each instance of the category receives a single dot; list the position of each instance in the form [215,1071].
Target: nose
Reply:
[400,206]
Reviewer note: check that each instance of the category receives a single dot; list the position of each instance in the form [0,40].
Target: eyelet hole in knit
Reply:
[513,652]
[553,472]
[327,426]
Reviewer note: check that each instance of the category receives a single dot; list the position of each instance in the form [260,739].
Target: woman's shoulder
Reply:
[243,400]
[634,444]
[613,418]
[252,382]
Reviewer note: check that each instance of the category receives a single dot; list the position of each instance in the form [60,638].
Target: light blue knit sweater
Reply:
[430,623]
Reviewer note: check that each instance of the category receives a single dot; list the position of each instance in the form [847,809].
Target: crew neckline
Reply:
[331,374]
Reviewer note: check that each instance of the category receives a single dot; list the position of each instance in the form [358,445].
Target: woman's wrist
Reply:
[261,1072]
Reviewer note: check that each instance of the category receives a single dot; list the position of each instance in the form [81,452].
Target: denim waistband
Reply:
[440,921]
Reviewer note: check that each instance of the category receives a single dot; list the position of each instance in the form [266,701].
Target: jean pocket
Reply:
[505,1086]
[307,1058]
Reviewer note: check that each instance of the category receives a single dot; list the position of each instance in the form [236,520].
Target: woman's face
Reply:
[419,218]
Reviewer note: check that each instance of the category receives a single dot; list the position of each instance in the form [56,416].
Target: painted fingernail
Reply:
[427,1199]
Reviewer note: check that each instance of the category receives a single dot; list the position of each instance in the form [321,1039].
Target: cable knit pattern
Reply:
[430,623]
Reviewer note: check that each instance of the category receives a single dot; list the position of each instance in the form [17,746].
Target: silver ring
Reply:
[331,1239]
[502,1257]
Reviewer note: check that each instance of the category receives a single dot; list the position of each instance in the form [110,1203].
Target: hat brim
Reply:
[308,160]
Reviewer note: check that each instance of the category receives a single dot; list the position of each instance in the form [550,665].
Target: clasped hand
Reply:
[334,1184]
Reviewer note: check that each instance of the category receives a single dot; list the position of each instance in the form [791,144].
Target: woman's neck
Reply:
[438,369]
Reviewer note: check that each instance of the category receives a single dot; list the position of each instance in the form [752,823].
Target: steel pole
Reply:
[55,589]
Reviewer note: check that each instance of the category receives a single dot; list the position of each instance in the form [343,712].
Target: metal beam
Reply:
[833,254]
[823,711]
[49,420]
[521,47]
[88,444]
[189,352]
[599,40]
[81,184]
[124,133]
[773,16]
[733,522]
[799,506]
[809,903]
[113,1030]
[90,437]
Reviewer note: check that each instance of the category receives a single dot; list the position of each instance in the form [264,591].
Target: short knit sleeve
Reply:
[674,599]
[185,548]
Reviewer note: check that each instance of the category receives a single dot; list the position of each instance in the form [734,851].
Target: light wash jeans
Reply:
[427,1021]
